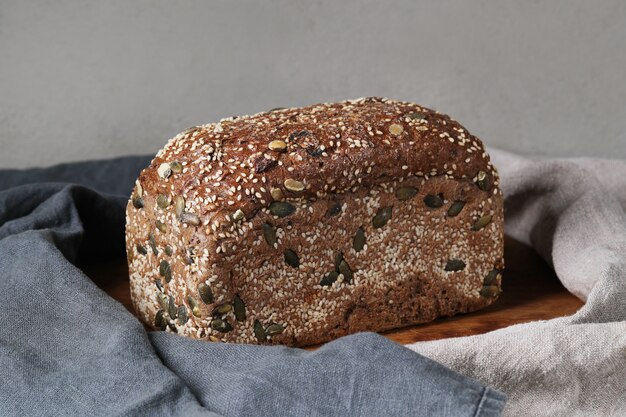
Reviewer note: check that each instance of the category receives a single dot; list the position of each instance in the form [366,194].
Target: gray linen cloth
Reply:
[572,211]
[68,349]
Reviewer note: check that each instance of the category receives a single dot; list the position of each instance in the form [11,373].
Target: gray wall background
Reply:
[83,80]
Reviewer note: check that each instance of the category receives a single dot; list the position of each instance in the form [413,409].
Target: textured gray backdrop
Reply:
[82,80]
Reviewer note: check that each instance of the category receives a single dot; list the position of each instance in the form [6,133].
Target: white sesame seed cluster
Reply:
[296,226]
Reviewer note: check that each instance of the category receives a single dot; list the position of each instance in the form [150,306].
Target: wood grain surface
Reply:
[531,292]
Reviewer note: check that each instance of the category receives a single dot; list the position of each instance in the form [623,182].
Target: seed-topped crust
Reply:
[213,189]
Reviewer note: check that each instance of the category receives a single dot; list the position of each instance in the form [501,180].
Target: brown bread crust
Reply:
[207,204]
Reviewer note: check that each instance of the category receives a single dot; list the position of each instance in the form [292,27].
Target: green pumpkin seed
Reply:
[160,322]
[238,215]
[259,331]
[176,167]
[190,218]
[168,250]
[345,270]
[281,208]
[172,326]
[193,305]
[489,291]
[240,308]
[183,317]
[222,309]
[406,193]
[481,222]
[205,293]
[415,115]
[274,329]
[159,284]
[277,194]
[161,226]
[482,180]
[291,258]
[455,208]
[433,201]
[329,279]
[179,205]
[163,201]
[358,243]
[221,326]
[338,259]
[270,234]
[141,249]
[153,244]
[165,270]
[491,278]
[138,202]
[334,209]
[454,265]
[172,310]
[383,215]
[163,301]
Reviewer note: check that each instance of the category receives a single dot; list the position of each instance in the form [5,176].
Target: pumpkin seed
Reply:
[291,258]
[277,145]
[274,329]
[138,202]
[141,249]
[345,270]
[161,226]
[163,201]
[481,222]
[293,185]
[222,309]
[168,250]
[164,170]
[338,259]
[182,314]
[358,243]
[329,279]
[159,284]
[179,205]
[491,278]
[281,208]
[434,201]
[383,215]
[240,308]
[160,322]
[415,116]
[482,180]
[193,305]
[396,129]
[270,234]
[455,208]
[259,331]
[163,301]
[205,293]
[405,193]
[454,265]
[190,218]
[176,167]
[172,310]
[238,215]
[489,291]
[276,109]
[165,270]
[277,194]
[153,244]
[221,325]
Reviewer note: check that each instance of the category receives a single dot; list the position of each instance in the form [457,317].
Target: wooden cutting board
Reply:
[531,291]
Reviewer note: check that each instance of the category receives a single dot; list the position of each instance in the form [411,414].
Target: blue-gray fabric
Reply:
[68,349]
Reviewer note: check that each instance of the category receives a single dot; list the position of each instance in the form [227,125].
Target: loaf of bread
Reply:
[297,226]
